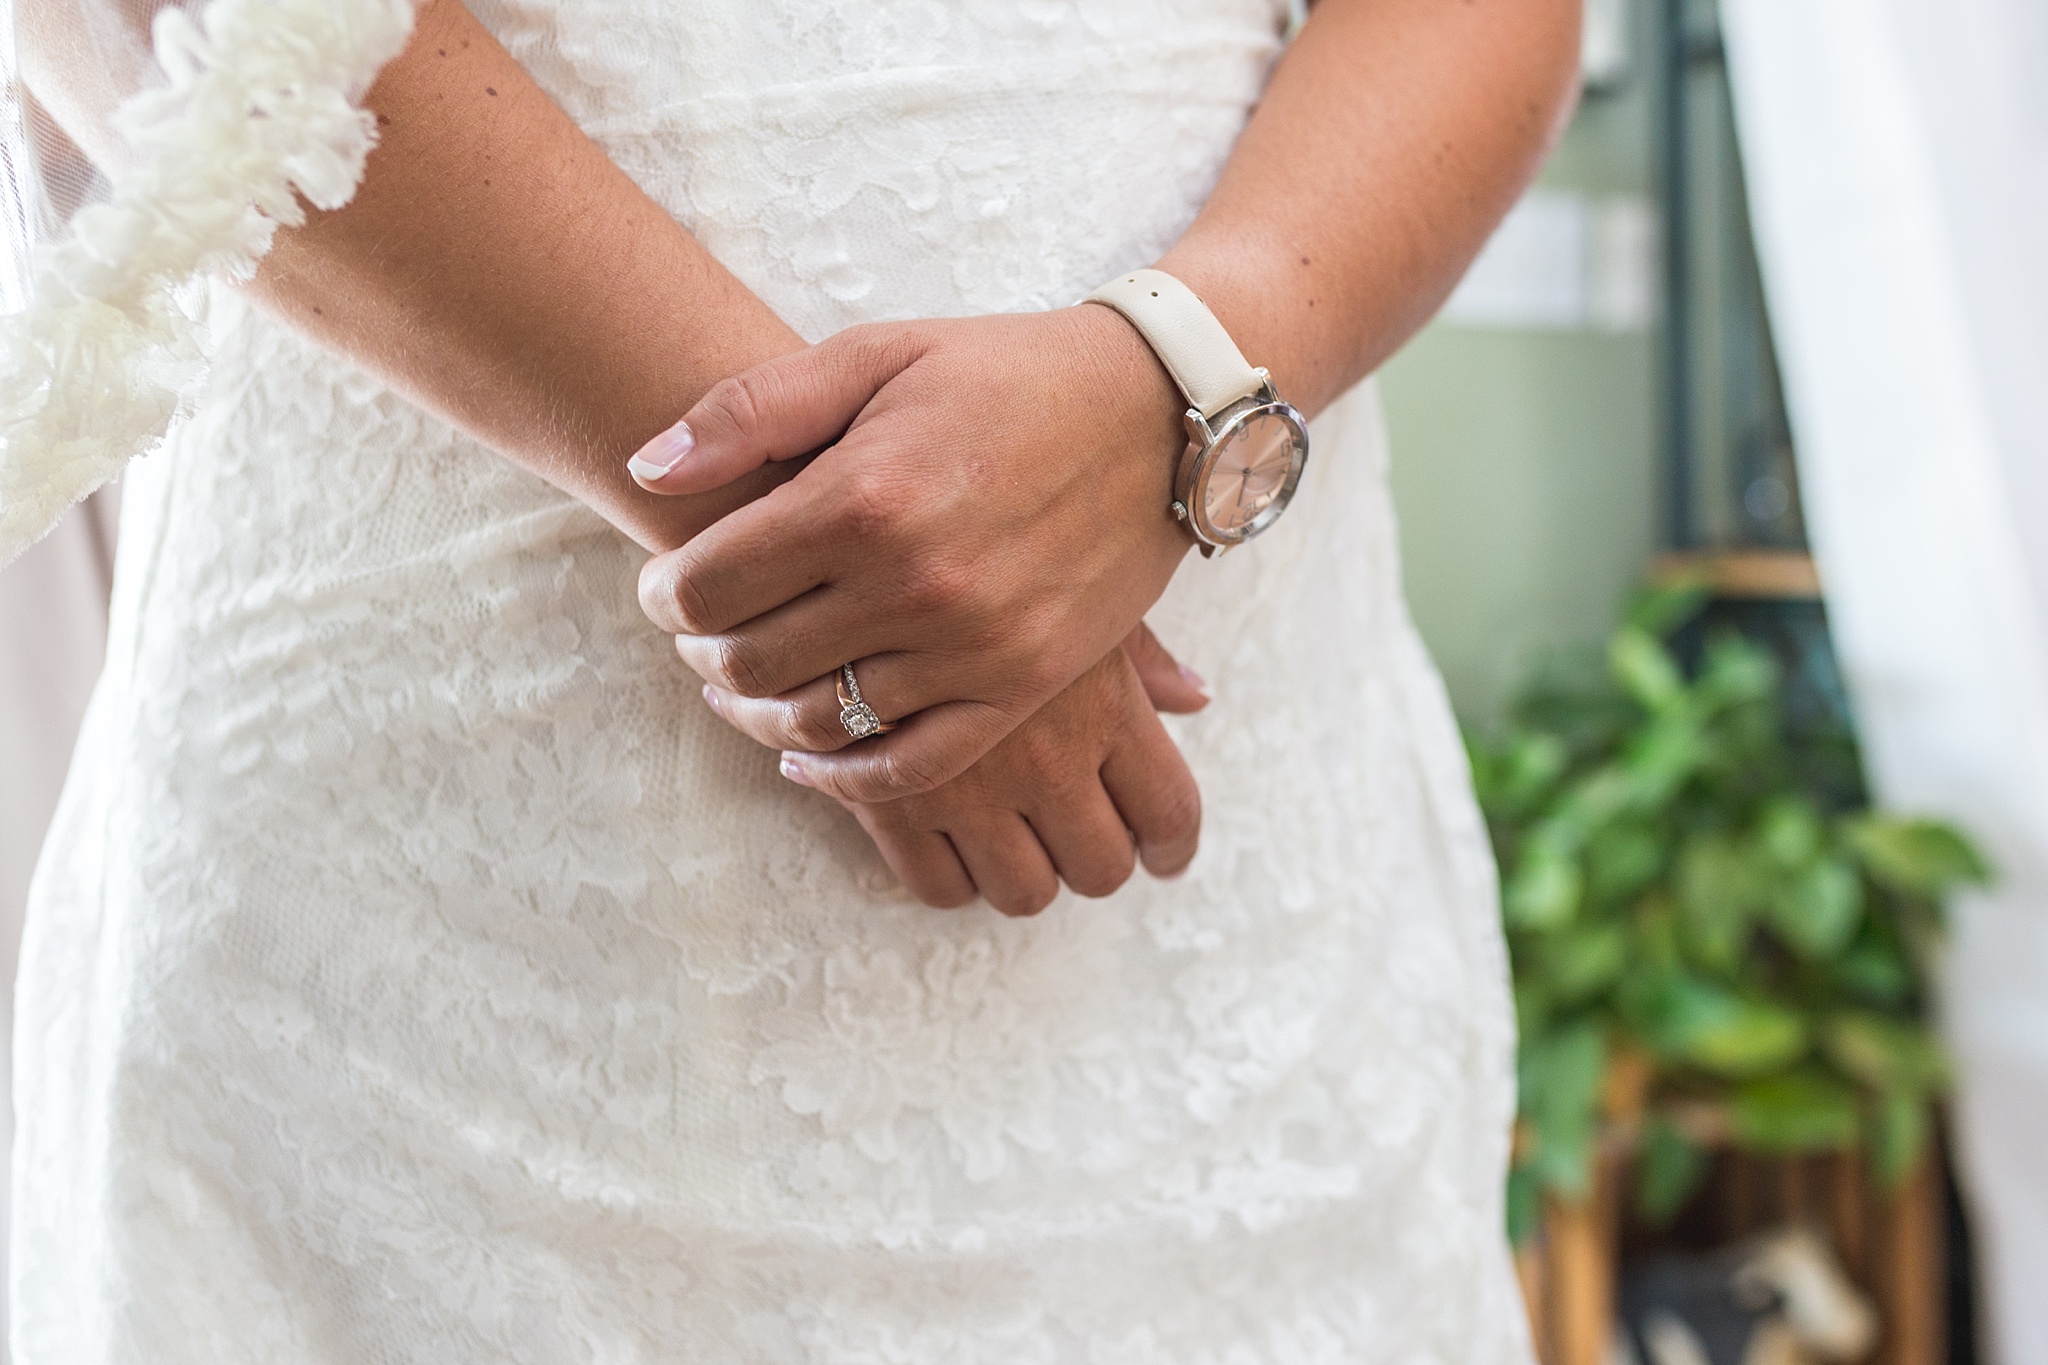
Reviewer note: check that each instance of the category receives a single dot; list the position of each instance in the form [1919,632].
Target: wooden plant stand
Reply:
[1891,1243]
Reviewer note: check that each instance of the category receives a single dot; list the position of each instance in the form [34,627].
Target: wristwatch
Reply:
[1246,445]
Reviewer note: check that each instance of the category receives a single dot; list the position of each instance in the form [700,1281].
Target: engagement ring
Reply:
[856,715]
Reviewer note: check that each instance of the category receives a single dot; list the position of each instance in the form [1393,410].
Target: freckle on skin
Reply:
[442,50]
[489,91]
[1304,260]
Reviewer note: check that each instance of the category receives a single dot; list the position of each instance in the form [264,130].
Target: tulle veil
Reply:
[146,145]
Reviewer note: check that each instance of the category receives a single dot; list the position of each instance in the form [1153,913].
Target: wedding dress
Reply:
[418,971]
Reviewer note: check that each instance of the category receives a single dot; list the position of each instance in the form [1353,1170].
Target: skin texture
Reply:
[496,267]
[1393,137]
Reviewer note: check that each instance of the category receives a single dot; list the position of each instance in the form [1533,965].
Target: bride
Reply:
[426,965]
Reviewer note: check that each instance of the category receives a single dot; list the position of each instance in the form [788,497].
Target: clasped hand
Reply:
[980,533]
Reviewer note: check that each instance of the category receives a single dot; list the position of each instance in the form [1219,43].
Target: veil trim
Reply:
[259,115]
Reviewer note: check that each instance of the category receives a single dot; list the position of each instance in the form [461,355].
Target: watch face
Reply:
[1250,474]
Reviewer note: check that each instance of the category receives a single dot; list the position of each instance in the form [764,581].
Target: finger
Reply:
[934,746]
[807,718]
[924,861]
[1170,684]
[1086,838]
[780,409]
[788,646]
[721,579]
[1156,794]
[1007,863]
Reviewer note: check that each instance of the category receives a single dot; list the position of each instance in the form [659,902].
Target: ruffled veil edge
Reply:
[257,115]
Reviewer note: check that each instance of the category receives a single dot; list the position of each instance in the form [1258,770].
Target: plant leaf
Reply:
[1789,830]
[1692,1020]
[1621,859]
[1736,671]
[1660,759]
[1802,1111]
[1545,891]
[1559,1079]
[1885,1054]
[1533,763]
[1752,1037]
[1721,885]
[1659,610]
[1583,961]
[1816,912]
[1916,857]
[1874,972]
[1645,670]
[1668,1170]
[1525,1205]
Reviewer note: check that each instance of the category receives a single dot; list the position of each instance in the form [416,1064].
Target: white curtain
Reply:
[1896,153]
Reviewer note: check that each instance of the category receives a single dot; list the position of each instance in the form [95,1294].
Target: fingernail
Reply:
[660,456]
[794,771]
[711,698]
[1196,681]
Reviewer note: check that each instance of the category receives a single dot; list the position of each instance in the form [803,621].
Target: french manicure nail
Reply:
[660,456]
[1196,681]
[794,771]
[711,698]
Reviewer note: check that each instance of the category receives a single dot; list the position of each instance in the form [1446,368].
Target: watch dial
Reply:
[1247,472]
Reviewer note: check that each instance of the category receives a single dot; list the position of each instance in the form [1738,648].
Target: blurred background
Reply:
[1772,856]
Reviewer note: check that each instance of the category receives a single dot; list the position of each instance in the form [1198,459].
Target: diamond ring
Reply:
[856,715]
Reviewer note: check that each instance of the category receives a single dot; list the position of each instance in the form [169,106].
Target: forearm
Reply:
[1391,139]
[498,268]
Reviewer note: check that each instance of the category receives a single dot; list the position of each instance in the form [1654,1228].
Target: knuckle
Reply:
[1179,819]
[901,772]
[663,597]
[814,729]
[1105,874]
[738,403]
[869,509]
[739,669]
[657,596]
[692,609]
[944,896]
[878,345]
[1048,760]
[937,587]
[1022,902]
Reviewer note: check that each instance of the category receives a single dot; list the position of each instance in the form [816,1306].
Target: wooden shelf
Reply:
[1779,575]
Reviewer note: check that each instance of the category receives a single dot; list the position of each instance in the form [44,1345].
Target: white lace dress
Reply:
[419,972]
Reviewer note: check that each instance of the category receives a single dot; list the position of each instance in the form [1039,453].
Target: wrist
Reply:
[1247,446]
[1267,299]
[1144,401]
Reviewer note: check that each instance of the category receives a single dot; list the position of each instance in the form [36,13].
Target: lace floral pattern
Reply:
[419,972]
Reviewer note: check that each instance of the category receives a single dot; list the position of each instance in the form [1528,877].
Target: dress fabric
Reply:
[418,971]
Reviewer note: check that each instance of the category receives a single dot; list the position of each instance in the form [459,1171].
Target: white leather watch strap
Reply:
[1185,335]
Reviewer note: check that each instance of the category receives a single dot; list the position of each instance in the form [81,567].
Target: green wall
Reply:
[1525,462]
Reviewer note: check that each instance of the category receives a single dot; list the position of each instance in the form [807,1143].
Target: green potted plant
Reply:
[1699,902]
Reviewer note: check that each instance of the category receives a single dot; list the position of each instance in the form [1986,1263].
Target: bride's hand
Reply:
[992,520]
[1071,795]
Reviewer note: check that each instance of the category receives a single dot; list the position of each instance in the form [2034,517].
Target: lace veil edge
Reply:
[259,108]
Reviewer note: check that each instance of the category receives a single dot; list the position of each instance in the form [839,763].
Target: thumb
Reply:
[1172,686]
[779,410]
